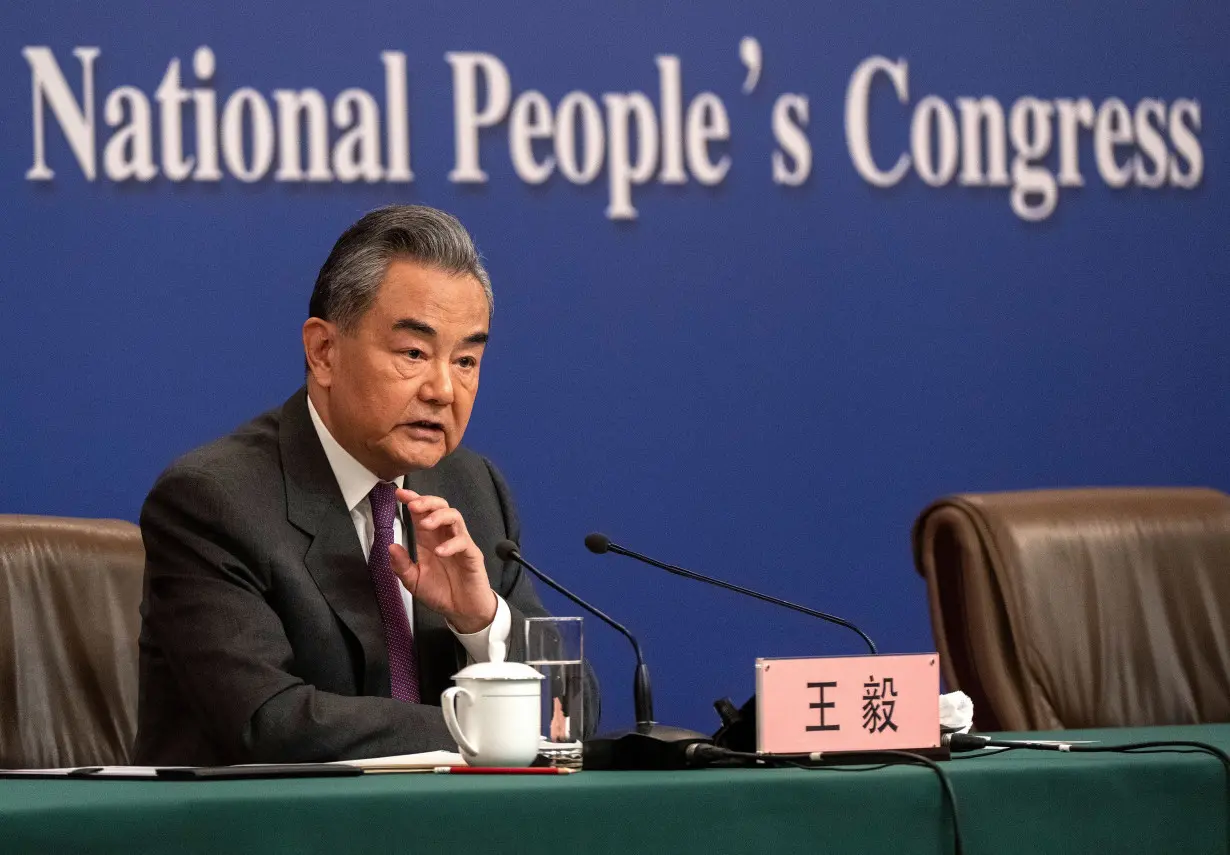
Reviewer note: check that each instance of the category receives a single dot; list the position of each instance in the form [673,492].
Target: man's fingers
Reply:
[425,504]
[406,570]
[453,546]
[442,517]
[420,504]
[399,558]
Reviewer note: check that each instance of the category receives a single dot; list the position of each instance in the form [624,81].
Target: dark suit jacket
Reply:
[261,638]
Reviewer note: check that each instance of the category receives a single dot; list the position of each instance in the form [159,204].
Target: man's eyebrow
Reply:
[412,325]
[415,325]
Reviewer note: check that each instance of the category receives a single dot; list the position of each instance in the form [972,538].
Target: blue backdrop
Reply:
[765,381]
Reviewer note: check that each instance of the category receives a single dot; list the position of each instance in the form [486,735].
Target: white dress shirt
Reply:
[356,482]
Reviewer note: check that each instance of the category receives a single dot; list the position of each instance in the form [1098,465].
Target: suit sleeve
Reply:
[207,612]
[523,602]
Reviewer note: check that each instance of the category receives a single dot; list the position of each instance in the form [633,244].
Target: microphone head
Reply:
[506,550]
[597,543]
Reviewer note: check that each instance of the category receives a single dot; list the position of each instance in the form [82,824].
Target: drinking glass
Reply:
[554,646]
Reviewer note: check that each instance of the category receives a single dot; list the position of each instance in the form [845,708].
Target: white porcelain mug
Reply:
[494,713]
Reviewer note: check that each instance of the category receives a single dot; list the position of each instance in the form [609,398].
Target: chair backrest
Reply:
[70,599]
[1082,608]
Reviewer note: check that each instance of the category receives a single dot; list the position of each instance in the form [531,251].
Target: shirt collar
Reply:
[355,479]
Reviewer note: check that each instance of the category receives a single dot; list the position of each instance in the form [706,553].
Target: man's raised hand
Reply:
[450,575]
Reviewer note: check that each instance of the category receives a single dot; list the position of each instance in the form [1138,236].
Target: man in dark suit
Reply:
[314,579]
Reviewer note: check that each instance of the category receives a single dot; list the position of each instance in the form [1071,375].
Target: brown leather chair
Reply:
[1082,608]
[70,598]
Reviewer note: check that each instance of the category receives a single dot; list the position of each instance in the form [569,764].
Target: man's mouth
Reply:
[425,425]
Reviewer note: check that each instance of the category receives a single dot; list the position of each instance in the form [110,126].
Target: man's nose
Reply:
[437,387]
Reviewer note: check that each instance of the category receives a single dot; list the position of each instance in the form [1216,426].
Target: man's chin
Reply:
[420,457]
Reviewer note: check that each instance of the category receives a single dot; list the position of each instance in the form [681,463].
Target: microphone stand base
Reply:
[648,746]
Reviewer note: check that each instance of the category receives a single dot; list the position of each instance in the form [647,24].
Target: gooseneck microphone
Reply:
[650,745]
[642,691]
[600,543]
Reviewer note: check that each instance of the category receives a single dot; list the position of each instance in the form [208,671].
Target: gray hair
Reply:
[348,281]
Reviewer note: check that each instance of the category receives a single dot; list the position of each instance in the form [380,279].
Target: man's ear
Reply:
[320,350]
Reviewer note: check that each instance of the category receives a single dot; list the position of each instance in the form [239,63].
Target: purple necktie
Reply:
[403,669]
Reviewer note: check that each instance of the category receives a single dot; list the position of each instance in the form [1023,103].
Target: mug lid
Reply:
[498,671]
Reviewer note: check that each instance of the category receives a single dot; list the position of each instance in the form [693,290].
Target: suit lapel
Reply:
[314,504]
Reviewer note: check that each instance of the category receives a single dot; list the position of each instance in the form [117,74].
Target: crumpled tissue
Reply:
[956,712]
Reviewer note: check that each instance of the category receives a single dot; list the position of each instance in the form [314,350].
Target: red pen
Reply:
[501,770]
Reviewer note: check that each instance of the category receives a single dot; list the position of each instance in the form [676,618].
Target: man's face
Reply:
[402,384]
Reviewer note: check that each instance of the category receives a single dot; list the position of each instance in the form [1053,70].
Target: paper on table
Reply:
[424,761]
[86,771]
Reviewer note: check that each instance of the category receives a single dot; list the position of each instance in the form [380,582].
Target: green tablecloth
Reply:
[1026,802]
